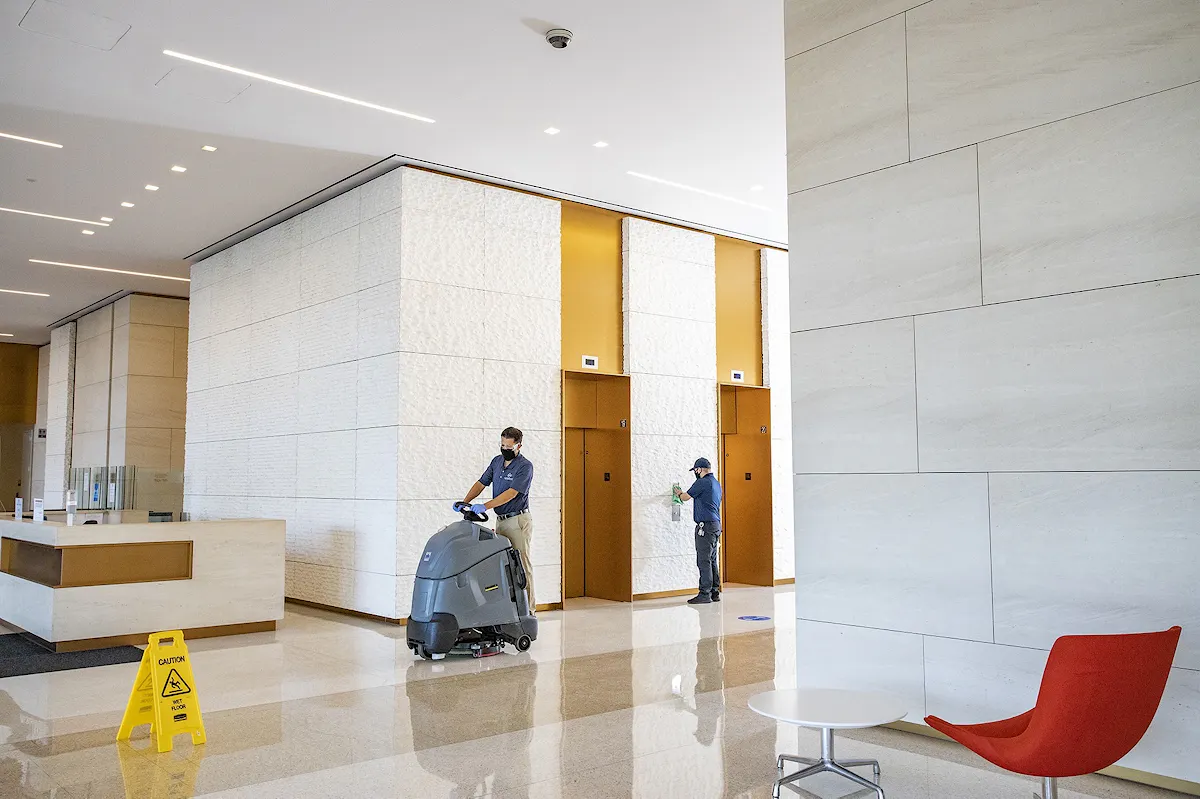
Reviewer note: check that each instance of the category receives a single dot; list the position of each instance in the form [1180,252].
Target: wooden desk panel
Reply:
[96,564]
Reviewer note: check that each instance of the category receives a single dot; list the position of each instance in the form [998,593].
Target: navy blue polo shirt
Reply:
[517,475]
[706,493]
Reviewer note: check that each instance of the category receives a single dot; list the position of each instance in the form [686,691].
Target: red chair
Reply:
[1099,694]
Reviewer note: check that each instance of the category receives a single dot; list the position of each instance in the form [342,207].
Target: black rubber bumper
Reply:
[438,635]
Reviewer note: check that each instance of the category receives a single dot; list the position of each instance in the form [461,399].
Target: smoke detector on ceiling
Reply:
[558,38]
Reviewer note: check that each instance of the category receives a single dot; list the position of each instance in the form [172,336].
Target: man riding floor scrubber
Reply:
[470,593]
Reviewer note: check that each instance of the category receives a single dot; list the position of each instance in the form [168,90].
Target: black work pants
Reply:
[708,539]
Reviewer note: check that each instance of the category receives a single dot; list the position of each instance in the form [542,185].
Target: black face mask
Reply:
[698,474]
[509,454]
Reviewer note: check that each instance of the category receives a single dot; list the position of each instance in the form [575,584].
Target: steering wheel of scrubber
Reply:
[465,509]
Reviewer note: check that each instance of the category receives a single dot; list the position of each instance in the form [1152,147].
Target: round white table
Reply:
[828,709]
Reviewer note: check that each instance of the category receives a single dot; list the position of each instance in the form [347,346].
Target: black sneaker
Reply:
[700,599]
[716,596]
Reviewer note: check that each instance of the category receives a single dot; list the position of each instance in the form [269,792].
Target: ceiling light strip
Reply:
[106,269]
[7,335]
[24,293]
[705,192]
[52,216]
[299,87]
[31,141]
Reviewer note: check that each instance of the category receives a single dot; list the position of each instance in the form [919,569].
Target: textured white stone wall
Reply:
[350,369]
[777,376]
[38,483]
[60,401]
[995,306]
[670,357]
[480,340]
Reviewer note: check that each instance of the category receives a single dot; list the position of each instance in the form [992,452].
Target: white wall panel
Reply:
[329,332]
[968,682]
[379,249]
[897,552]
[1104,199]
[382,195]
[854,398]
[981,70]
[672,362]
[1100,380]
[859,658]
[893,243]
[848,106]
[674,406]
[811,23]
[1096,554]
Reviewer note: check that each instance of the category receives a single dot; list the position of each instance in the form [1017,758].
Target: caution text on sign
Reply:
[164,694]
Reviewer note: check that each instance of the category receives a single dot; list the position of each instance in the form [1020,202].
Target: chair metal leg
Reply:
[799,775]
[1049,788]
[803,761]
[850,775]
[874,764]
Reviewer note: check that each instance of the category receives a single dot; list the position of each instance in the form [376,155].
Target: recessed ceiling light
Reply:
[126,205]
[88,232]
[106,269]
[31,141]
[756,188]
[600,144]
[52,216]
[106,219]
[208,148]
[705,192]
[297,86]
[7,335]
[179,169]
[25,293]
[552,131]
[151,187]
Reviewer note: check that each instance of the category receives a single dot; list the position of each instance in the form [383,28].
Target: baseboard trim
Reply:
[139,639]
[549,606]
[402,621]
[665,594]
[1118,772]
[785,581]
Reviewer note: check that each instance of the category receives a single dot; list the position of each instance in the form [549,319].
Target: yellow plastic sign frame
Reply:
[164,693]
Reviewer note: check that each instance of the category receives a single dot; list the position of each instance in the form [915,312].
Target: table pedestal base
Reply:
[826,763]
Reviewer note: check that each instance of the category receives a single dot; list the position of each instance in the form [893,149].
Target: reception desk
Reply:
[97,585]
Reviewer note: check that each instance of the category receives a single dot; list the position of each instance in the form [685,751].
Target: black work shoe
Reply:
[700,599]
[716,596]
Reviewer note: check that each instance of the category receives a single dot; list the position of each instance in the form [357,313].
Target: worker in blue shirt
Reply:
[510,474]
[706,491]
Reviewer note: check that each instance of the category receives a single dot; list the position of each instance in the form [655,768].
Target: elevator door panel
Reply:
[573,508]
[606,514]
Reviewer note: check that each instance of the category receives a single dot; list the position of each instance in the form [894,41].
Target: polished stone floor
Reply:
[614,700]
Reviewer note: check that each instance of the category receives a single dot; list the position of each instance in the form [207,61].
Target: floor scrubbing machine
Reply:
[470,593]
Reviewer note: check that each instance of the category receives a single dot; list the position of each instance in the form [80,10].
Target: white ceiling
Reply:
[690,91]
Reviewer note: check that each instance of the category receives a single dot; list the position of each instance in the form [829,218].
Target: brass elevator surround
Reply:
[592,292]
[739,310]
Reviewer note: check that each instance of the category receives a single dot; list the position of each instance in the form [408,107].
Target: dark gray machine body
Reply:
[470,589]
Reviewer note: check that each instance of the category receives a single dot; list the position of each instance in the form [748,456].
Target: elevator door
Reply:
[747,541]
[597,547]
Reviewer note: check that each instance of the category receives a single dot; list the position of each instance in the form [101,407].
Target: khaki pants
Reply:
[519,530]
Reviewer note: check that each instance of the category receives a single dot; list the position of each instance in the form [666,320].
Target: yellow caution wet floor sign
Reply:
[164,693]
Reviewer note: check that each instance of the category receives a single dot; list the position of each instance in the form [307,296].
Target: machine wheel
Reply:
[424,653]
[523,643]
